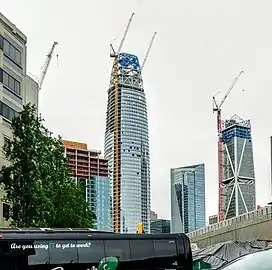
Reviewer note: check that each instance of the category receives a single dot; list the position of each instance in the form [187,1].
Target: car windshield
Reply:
[256,261]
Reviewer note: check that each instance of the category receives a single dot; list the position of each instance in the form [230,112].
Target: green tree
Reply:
[37,182]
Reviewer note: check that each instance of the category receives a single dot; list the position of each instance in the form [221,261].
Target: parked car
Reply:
[260,260]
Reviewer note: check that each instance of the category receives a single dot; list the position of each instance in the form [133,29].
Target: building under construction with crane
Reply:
[239,195]
[236,176]
[127,142]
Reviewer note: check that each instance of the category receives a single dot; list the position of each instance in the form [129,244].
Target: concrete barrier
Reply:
[250,226]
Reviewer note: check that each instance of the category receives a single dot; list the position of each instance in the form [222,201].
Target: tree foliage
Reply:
[37,182]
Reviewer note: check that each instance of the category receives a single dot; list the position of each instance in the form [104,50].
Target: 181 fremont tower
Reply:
[127,146]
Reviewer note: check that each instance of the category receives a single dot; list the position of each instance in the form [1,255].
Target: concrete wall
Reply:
[251,226]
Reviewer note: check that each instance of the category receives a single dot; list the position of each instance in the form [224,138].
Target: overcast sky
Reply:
[200,47]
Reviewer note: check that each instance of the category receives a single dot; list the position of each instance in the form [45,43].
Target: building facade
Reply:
[83,162]
[160,226]
[239,195]
[270,199]
[213,219]
[188,198]
[88,168]
[98,194]
[16,87]
[153,216]
[127,147]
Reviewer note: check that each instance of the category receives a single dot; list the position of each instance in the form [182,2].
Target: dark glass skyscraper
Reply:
[238,168]
[127,147]
[188,198]
[160,226]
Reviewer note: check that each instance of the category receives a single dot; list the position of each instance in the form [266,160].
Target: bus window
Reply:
[6,263]
[118,248]
[142,254]
[4,248]
[41,255]
[93,254]
[141,250]
[165,248]
[21,248]
[165,253]
[182,245]
[63,251]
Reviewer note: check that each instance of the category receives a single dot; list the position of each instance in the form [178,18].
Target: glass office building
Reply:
[160,226]
[98,196]
[127,147]
[187,198]
[239,195]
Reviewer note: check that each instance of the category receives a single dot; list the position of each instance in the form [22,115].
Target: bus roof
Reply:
[75,234]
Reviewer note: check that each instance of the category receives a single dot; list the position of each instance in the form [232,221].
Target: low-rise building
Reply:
[213,219]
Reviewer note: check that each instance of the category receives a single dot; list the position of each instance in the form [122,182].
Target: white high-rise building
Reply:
[16,87]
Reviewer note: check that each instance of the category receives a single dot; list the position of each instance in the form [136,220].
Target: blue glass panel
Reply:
[129,61]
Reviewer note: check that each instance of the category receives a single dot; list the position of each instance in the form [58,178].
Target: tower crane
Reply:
[148,50]
[115,54]
[46,64]
[217,108]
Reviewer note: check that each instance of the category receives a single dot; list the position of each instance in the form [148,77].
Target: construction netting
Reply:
[222,253]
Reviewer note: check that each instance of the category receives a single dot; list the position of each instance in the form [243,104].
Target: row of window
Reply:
[7,112]
[63,251]
[13,53]
[10,82]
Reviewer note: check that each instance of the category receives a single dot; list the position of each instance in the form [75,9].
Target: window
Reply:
[12,52]
[118,248]
[1,43]
[6,209]
[5,79]
[93,254]
[21,247]
[41,255]
[141,249]
[6,47]
[6,143]
[6,111]
[63,251]
[165,248]
[17,56]
[11,83]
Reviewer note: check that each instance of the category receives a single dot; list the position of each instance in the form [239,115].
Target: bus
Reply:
[85,249]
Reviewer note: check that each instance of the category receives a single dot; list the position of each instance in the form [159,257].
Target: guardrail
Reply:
[265,211]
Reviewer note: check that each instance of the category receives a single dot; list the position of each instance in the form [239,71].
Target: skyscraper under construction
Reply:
[128,152]
[239,195]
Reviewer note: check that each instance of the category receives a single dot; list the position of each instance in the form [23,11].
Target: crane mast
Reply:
[46,64]
[148,50]
[217,108]
[116,54]
[116,184]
